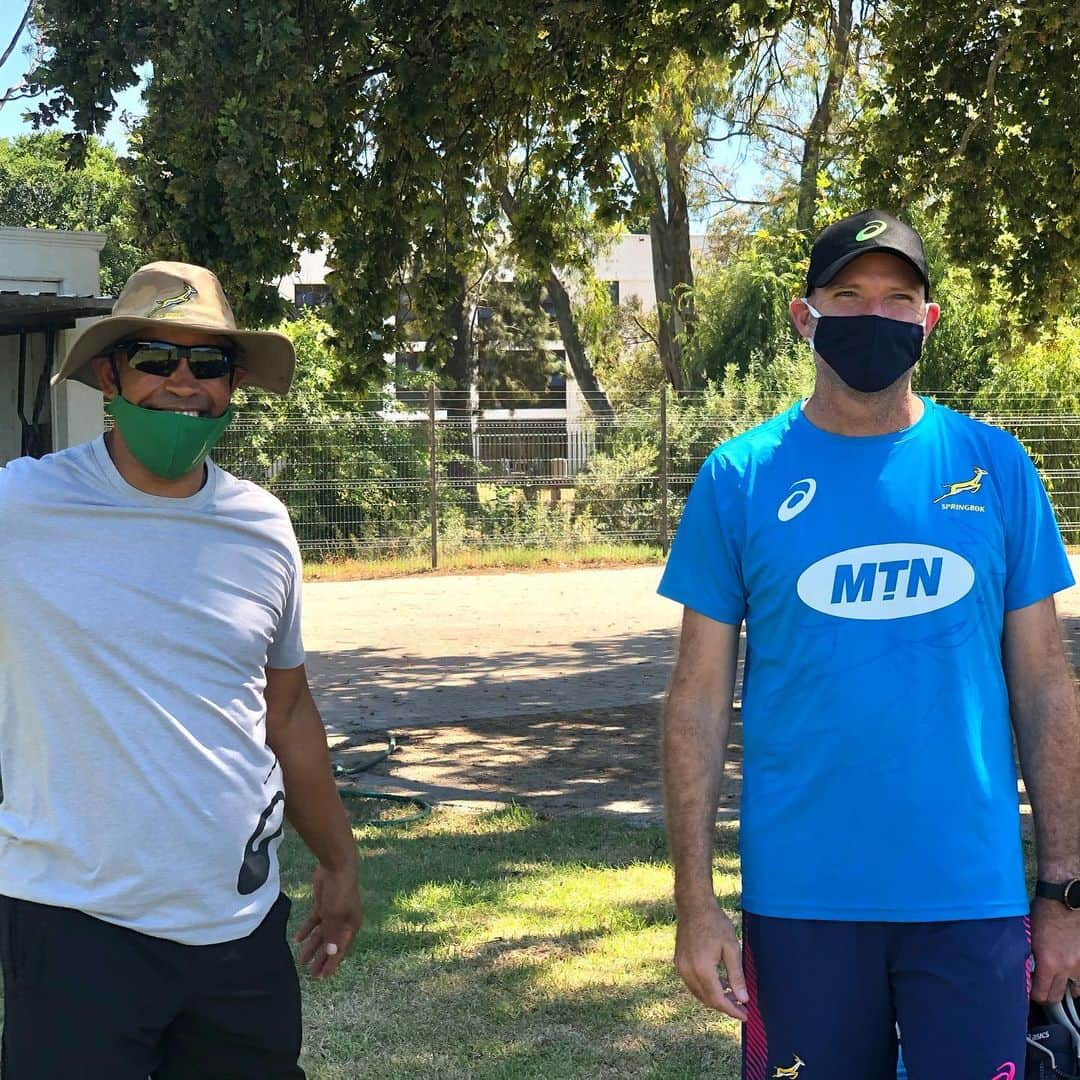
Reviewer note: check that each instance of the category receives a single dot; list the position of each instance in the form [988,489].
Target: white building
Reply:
[49,282]
[626,268]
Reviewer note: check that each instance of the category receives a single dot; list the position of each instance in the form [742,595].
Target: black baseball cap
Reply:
[871,230]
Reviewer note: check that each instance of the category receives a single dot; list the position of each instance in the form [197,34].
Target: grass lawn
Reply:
[504,945]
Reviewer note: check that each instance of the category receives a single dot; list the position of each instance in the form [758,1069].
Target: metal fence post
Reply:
[433,493]
[663,471]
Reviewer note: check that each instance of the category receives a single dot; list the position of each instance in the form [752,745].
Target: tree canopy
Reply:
[39,190]
[385,128]
[979,111]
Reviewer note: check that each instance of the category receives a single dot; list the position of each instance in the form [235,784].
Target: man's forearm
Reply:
[312,802]
[1048,738]
[694,742]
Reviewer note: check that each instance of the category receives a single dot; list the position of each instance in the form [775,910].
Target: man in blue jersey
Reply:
[894,563]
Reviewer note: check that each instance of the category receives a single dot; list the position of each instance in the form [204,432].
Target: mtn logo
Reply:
[886,581]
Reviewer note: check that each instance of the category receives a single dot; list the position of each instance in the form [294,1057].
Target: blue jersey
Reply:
[873,575]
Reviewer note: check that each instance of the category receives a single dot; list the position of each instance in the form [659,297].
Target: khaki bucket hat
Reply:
[179,294]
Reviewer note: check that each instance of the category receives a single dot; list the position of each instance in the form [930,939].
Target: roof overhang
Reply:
[31,313]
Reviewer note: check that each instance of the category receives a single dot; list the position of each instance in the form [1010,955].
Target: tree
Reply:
[39,190]
[784,86]
[792,109]
[683,107]
[18,91]
[980,112]
[372,125]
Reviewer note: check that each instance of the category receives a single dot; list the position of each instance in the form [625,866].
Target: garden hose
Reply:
[349,792]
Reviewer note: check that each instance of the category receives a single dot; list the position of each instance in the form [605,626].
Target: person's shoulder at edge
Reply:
[28,473]
[995,439]
[757,442]
[247,497]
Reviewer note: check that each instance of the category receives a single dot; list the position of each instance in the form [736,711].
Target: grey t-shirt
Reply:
[135,632]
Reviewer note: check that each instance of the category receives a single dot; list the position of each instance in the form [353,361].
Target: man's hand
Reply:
[705,941]
[335,918]
[1055,944]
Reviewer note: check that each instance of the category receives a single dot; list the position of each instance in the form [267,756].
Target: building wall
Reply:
[628,263]
[54,261]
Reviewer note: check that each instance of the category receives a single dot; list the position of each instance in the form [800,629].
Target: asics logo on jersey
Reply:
[802,495]
[886,581]
[1005,1072]
[791,1070]
[973,485]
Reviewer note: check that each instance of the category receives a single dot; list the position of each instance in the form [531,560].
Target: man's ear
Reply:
[801,318]
[104,372]
[933,313]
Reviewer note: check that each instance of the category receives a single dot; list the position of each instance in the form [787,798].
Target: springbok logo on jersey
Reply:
[802,495]
[963,487]
[886,581]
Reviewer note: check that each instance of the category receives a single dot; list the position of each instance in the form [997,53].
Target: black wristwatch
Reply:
[1067,892]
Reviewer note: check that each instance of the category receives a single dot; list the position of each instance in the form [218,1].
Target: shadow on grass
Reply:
[514,947]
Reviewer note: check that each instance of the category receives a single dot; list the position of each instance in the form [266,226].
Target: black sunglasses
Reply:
[163,358]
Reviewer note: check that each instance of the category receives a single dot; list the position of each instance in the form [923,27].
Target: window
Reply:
[613,291]
[311,295]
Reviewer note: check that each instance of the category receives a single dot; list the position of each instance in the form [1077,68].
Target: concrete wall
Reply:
[629,262]
[43,260]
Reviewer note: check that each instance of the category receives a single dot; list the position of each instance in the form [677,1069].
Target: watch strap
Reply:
[1066,892]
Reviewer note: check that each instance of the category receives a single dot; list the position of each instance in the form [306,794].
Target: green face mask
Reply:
[169,444]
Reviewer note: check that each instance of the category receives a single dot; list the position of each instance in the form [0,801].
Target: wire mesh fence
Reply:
[416,483]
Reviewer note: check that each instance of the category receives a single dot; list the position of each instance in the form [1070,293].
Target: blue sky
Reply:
[11,115]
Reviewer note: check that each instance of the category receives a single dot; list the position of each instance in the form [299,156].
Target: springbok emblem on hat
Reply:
[167,303]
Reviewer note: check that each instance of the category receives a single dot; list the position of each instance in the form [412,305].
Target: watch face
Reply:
[1072,894]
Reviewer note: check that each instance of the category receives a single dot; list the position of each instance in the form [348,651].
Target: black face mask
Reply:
[869,352]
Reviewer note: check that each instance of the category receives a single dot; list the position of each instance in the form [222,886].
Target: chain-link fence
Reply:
[446,474]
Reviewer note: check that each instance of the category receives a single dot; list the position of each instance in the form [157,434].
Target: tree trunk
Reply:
[669,233]
[818,131]
[463,404]
[576,356]
[573,346]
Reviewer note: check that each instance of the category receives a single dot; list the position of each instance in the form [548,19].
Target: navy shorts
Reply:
[827,999]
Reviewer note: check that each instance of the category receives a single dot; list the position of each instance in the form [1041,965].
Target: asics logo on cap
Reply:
[871,229]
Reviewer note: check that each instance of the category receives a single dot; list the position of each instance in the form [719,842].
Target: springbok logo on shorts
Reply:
[791,1071]
[801,496]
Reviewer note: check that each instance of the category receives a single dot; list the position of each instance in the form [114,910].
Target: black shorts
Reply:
[84,998]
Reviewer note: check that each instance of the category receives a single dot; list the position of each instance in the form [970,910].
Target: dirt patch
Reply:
[604,761]
[539,689]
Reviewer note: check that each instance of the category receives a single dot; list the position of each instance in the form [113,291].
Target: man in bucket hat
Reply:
[156,724]
[895,564]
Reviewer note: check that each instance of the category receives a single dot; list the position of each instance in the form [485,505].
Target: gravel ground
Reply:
[539,687]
